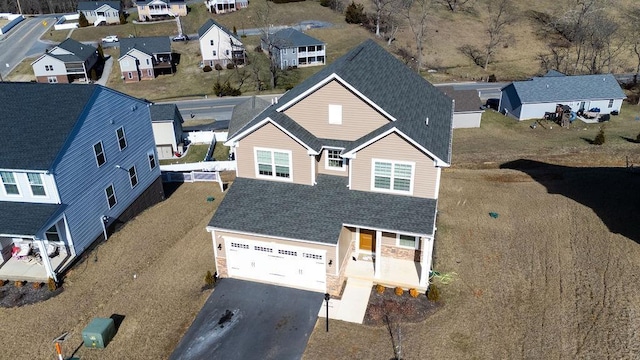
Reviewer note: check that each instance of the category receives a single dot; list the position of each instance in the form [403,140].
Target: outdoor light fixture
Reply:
[330,262]
[219,246]
[105,219]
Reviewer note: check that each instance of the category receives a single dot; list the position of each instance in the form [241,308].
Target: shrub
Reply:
[230,66]
[207,68]
[2,282]
[51,284]
[208,279]
[398,290]
[414,293]
[380,289]
[82,21]
[94,75]
[36,285]
[235,31]
[355,14]
[433,293]
[599,140]
[18,284]
[218,67]
[123,19]
[225,90]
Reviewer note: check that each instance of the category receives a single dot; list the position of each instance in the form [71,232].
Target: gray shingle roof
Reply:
[164,112]
[290,37]
[168,2]
[245,112]
[148,45]
[465,100]
[26,219]
[47,113]
[93,5]
[317,213]
[394,87]
[568,88]
[552,73]
[81,51]
[209,23]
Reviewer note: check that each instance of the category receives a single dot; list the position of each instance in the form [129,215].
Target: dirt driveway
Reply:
[555,275]
[168,250]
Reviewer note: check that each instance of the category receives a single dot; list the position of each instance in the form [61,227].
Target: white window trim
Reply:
[326,161]
[335,114]
[124,136]
[135,175]
[416,245]
[393,163]
[95,156]
[155,160]
[15,182]
[273,177]
[114,196]
[44,188]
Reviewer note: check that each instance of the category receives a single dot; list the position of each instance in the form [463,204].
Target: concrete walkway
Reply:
[105,72]
[353,305]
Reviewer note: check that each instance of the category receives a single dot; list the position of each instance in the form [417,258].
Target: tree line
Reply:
[39,7]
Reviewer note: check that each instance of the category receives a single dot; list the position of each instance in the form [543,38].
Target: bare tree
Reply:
[263,17]
[632,26]
[416,12]
[453,5]
[501,15]
[381,9]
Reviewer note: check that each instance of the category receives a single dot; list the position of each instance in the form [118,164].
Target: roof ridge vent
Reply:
[426,121]
[356,54]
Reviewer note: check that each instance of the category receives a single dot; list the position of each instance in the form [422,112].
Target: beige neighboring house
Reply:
[67,62]
[337,179]
[159,9]
[468,110]
[100,12]
[218,45]
[167,130]
[225,6]
[144,58]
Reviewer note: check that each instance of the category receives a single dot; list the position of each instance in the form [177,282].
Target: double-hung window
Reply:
[99,152]
[392,176]
[334,161]
[122,140]
[111,196]
[9,182]
[133,177]
[408,241]
[152,160]
[273,163]
[37,186]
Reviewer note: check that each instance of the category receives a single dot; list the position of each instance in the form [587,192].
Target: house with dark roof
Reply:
[67,62]
[218,45]
[161,9]
[225,6]
[467,109]
[289,47]
[143,58]
[85,161]
[337,179]
[100,12]
[531,99]
[166,121]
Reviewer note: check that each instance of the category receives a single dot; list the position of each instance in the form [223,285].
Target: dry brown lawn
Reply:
[170,263]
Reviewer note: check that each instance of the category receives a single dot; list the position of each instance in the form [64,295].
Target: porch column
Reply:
[427,252]
[377,262]
[45,259]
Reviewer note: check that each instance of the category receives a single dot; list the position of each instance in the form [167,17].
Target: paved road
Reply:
[485,90]
[22,41]
[212,108]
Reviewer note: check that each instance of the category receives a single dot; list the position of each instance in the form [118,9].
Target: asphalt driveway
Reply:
[247,320]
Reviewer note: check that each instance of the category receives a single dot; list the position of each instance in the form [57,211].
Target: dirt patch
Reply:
[12,295]
[404,308]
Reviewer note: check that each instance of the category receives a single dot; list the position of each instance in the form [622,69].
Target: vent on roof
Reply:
[426,121]
[547,86]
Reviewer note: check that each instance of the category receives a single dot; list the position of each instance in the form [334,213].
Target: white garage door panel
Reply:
[276,263]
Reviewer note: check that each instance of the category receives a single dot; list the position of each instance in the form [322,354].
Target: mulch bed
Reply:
[12,295]
[390,307]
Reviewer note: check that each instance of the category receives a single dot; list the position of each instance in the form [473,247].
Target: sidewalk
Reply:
[105,72]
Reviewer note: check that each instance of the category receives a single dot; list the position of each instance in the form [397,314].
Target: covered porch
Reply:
[32,268]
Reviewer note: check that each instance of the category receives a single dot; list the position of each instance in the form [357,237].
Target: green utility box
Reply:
[98,333]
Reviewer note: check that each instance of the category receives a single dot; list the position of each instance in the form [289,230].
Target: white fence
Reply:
[13,21]
[62,24]
[201,166]
[193,176]
[206,137]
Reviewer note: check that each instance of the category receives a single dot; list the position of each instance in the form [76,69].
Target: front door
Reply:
[367,240]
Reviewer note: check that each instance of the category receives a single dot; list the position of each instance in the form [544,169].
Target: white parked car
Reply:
[110,39]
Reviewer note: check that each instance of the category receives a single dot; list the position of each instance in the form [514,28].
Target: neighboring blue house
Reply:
[291,48]
[532,98]
[79,160]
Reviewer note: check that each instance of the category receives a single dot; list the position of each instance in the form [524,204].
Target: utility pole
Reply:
[19,7]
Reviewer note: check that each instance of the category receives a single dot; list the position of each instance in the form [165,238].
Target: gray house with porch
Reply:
[292,48]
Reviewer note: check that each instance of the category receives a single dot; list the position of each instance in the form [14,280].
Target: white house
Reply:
[167,129]
[218,45]
[145,57]
[531,99]
[225,6]
[65,63]
[100,12]
[467,111]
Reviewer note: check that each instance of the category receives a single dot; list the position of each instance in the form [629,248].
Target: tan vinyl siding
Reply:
[321,166]
[347,235]
[389,239]
[270,137]
[395,148]
[358,117]
[330,249]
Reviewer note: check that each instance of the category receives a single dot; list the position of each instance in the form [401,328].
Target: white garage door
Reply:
[276,263]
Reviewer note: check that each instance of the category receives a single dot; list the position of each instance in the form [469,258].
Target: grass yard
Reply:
[23,71]
[91,33]
[196,153]
[168,250]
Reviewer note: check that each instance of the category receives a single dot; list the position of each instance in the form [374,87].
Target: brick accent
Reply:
[400,253]
[221,267]
[134,75]
[144,75]
[62,79]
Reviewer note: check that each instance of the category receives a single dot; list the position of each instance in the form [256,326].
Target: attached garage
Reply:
[276,263]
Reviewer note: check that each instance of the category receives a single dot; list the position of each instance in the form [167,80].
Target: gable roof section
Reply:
[211,23]
[308,205]
[568,88]
[552,73]
[80,50]
[36,124]
[290,37]
[25,219]
[148,45]
[465,100]
[94,5]
[244,112]
[164,112]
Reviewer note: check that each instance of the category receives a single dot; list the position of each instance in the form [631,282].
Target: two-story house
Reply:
[218,45]
[167,130]
[292,48]
[160,9]
[338,178]
[69,61]
[79,160]
[145,57]
[225,6]
[100,12]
